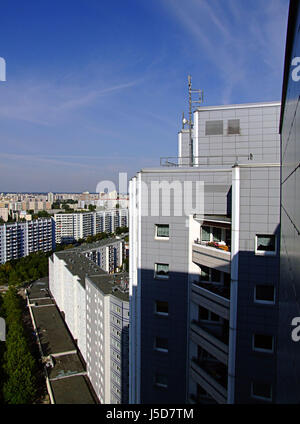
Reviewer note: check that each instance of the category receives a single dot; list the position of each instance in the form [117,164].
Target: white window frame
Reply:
[261,397]
[161,277]
[160,237]
[258,349]
[265,302]
[262,252]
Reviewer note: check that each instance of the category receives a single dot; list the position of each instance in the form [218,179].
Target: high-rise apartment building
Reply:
[204,263]
[74,226]
[95,306]
[22,238]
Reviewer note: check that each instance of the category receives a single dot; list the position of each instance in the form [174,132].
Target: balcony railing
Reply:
[215,245]
[211,377]
[215,345]
[211,257]
[218,289]
[211,301]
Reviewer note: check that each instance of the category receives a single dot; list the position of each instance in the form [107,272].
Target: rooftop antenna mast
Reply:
[192,104]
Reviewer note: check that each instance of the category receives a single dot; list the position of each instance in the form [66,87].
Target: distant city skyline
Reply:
[93,89]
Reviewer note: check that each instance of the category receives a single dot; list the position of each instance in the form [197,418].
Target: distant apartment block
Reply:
[4,212]
[74,226]
[22,238]
[204,276]
[95,306]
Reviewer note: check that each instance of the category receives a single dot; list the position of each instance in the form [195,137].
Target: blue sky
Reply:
[98,87]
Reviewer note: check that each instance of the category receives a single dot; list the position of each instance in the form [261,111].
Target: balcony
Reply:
[210,300]
[217,346]
[212,255]
[218,289]
[212,377]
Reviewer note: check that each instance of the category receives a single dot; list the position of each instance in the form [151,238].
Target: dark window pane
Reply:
[204,273]
[214,128]
[161,379]
[233,126]
[214,317]
[262,390]
[162,270]
[266,243]
[217,234]
[205,233]
[262,341]
[162,307]
[215,276]
[265,293]
[162,230]
[202,313]
[161,343]
[227,279]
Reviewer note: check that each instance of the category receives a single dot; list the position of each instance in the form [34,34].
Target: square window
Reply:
[162,231]
[264,294]
[161,271]
[205,233]
[233,126]
[261,391]
[263,343]
[161,380]
[265,244]
[161,308]
[214,127]
[161,344]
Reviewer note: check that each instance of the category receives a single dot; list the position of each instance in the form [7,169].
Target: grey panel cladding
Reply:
[259,214]
[289,296]
[184,147]
[253,129]
[183,190]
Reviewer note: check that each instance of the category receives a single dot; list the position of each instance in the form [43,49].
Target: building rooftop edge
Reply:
[238,106]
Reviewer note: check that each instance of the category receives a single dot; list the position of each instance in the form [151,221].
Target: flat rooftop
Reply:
[95,245]
[39,289]
[68,379]
[79,265]
[112,284]
[53,333]
[73,390]
[65,366]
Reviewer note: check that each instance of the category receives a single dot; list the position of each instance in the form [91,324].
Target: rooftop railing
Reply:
[198,161]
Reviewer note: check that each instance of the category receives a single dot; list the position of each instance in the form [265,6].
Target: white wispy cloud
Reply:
[235,36]
[45,103]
